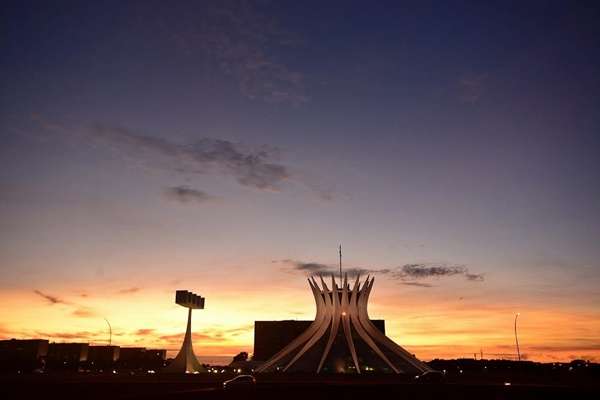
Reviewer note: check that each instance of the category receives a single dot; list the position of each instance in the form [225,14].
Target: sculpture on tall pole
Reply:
[186,361]
[342,337]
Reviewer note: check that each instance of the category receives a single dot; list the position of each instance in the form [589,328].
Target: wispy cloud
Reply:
[256,166]
[238,40]
[77,310]
[81,335]
[418,284]
[51,299]
[214,334]
[84,312]
[186,194]
[474,277]
[144,332]
[252,168]
[177,337]
[129,290]
[472,87]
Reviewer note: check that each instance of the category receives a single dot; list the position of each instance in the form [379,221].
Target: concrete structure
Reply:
[342,337]
[272,336]
[186,361]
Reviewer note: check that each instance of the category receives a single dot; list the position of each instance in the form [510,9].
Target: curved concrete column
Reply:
[348,308]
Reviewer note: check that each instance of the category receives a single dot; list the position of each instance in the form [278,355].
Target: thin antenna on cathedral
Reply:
[341,280]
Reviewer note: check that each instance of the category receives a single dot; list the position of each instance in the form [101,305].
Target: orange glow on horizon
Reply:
[149,317]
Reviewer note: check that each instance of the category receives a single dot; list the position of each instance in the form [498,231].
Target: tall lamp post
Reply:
[109,332]
[516,337]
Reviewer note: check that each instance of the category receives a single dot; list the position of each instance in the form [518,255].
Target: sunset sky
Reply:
[228,148]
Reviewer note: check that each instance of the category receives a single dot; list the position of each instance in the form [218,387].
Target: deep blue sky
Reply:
[241,134]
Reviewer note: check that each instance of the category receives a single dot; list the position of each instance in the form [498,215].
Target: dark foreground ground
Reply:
[82,386]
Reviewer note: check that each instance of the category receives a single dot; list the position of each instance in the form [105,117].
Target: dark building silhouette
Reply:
[272,336]
[141,358]
[66,355]
[103,356]
[22,355]
[28,355]
[154,358]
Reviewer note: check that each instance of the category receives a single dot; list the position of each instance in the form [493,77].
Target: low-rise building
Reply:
[66,355]
[22,355]
[103,357]
[141,358]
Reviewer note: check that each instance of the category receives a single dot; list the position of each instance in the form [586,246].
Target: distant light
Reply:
[151,371]
[344,313]
[507,383]
[114,372]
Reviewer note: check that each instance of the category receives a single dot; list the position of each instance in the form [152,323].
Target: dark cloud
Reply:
[474,277]
[50,298]
[409,274]
[186,194]
[418,284]
[311,268]
[253,168]
[419,271]
[129,290]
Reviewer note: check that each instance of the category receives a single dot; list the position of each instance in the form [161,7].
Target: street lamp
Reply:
[109,332]
[516,337]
